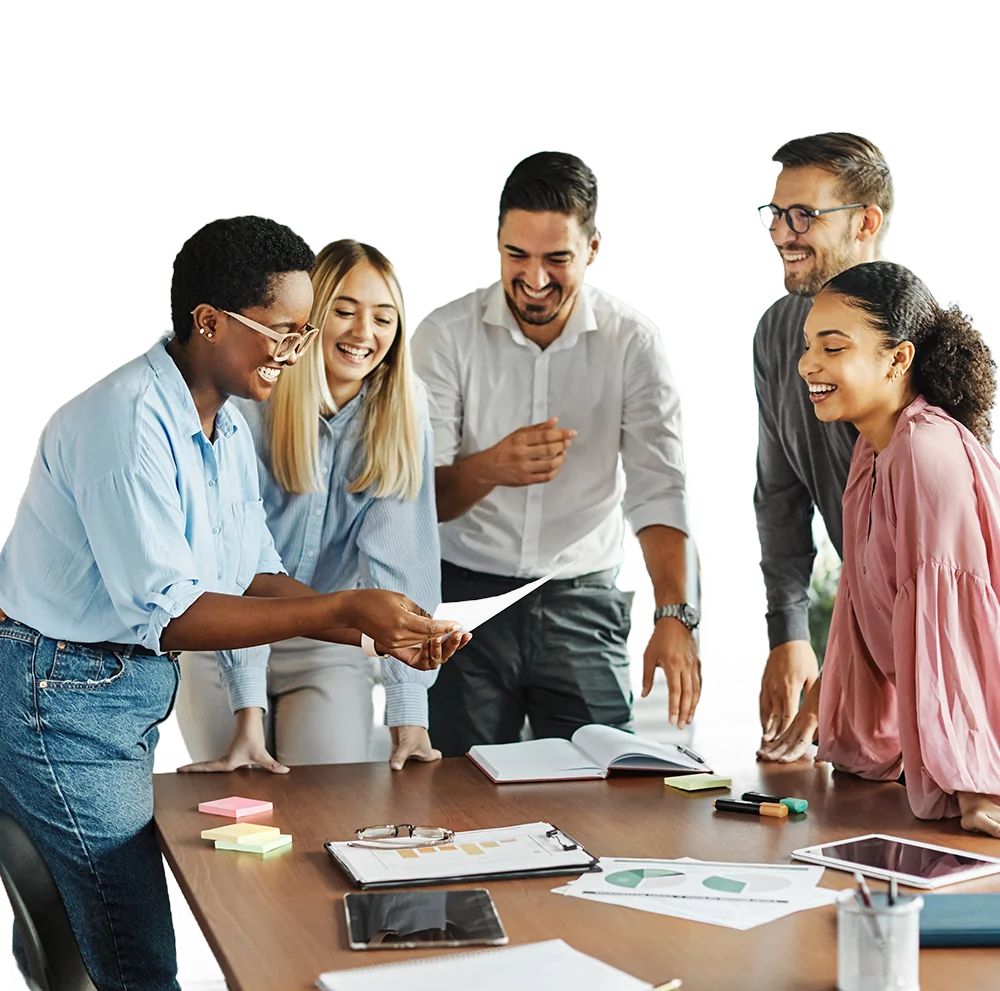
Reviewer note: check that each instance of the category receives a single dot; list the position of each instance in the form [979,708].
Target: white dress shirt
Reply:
[606,376]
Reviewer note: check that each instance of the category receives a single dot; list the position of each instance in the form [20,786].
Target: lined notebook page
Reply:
[549,966]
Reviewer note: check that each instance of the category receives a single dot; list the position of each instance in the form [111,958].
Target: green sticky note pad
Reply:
[267,844]
[698,782]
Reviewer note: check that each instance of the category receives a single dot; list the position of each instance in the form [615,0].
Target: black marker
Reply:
[792,804]
[772,809]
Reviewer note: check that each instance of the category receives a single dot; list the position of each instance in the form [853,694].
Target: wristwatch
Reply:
[682,612]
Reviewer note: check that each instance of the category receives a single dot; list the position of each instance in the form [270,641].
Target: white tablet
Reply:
[920,865]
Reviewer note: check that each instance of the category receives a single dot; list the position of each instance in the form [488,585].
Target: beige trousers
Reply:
[320,708]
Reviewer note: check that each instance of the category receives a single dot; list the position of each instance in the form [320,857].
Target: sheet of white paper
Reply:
[474,612]
[739,896]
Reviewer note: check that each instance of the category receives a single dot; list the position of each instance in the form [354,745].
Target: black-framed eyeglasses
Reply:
[799,217]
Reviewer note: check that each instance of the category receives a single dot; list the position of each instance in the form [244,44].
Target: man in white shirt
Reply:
[554,410]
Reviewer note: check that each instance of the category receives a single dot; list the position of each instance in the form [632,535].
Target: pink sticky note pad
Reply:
[235,808]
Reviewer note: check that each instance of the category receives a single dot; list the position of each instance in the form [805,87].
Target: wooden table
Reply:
[276,924]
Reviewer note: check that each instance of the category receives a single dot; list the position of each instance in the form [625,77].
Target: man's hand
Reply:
[246,747]
[980,813]
[392,620]
[430,654]
[411,743]
[800,734]
[672,648]
[790,667]
[528,456]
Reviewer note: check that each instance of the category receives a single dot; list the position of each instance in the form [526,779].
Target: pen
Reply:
[893,890]
[693,756]
[772,809]
[865,895]
[792,804]
[670,985]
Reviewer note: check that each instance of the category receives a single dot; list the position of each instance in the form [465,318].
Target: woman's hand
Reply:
[246,747]
[980,813]
[432,653]
[392,620]
[411,742]
[795,742]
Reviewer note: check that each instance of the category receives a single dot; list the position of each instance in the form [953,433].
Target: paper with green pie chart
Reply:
[730,894]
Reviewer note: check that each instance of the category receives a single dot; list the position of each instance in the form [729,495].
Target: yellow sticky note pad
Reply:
[240,832]
[263,845]
[698,782]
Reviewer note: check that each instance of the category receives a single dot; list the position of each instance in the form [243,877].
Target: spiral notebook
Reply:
[549,966]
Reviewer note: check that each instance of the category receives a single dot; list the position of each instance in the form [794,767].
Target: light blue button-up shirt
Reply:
[131,513]
[333,539]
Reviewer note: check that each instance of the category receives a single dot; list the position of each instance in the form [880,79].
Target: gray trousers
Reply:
[557,656]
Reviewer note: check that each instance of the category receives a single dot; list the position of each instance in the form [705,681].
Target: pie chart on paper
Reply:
[648,877]
[747,884]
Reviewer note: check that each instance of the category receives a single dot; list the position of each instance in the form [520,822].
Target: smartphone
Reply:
[402,920]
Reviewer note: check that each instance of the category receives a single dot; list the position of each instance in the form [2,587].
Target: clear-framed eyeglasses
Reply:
[799,218]
[286,345]
[404,835]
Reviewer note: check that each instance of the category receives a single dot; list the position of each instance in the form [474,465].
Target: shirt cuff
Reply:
[663,512]
[788,624]
[167,606]
[406,705]
[246,686]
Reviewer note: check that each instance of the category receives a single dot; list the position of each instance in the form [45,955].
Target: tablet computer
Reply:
[920,865]
[402,920]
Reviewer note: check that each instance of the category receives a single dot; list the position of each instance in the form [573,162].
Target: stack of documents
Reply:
[549,966]
[739,896]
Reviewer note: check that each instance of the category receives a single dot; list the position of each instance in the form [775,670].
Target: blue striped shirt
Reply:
[333,540]
[131,512]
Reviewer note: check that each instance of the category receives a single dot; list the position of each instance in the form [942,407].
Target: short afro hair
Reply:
[231,264]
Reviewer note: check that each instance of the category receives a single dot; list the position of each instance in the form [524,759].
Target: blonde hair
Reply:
[392,465]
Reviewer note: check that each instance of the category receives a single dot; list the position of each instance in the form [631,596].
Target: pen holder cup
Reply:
[878,948]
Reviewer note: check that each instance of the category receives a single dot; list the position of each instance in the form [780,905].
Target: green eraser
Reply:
[795,804]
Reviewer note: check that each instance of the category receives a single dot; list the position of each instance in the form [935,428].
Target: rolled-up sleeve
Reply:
[435,362]
[651,447]
[136,533]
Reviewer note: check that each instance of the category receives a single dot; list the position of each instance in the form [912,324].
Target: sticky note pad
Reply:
[264,845]
[234,807]
[240,832]
[698,782]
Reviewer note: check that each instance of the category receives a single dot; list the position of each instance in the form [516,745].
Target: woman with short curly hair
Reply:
[912,674]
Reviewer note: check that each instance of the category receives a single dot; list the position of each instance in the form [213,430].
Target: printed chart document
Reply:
[592,752]
[531,850]
[738,896]
[474,612]
[549,966]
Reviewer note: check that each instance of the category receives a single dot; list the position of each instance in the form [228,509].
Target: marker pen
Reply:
[752,808]
[793,804]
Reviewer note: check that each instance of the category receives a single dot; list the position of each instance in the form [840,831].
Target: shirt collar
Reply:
[581,318]
[173,383]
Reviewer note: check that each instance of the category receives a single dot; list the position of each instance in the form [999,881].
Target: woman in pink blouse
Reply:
[911,680]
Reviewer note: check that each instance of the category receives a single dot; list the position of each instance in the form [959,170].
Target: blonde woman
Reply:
[345,458]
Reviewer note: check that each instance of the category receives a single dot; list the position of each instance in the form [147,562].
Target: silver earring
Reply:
[201,330]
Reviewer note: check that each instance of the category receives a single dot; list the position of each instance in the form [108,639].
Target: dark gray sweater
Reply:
[802,463]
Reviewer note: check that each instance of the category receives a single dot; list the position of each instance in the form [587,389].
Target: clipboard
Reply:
[415,868]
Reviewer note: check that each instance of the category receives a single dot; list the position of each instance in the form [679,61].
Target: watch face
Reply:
[690,616]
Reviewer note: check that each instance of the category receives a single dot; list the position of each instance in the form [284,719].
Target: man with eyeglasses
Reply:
[830,211]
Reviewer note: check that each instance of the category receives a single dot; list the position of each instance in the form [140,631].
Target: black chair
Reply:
[54,961]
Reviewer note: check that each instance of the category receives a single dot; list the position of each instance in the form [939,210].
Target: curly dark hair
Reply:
[952,365]
[231,264]
[552,180]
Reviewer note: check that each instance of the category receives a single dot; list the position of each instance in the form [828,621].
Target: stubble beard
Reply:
[836,260]
[537,316]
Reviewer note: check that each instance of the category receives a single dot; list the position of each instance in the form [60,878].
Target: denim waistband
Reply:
[16,630]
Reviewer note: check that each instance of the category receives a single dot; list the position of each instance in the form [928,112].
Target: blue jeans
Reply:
[78,727]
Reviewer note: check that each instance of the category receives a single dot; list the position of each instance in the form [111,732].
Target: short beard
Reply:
[839,258]
[535,319]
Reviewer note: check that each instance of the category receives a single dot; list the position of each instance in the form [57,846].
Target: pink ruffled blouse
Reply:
[911,679]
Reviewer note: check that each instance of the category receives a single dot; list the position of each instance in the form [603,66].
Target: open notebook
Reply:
[549,966]
[592,752]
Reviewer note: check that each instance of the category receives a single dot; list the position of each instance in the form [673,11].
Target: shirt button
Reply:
[211,482]
[216,529]
[219,576]
[310,554]
[318,512]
